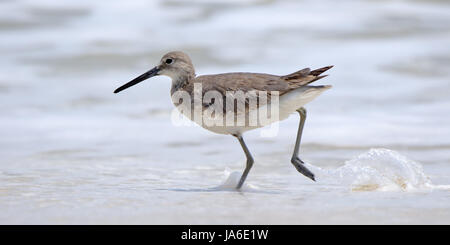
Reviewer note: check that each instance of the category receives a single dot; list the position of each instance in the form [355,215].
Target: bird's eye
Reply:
[169,61]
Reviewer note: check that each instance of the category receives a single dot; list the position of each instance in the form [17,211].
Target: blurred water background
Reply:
[72,152]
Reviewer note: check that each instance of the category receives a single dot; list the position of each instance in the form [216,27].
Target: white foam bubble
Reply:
[231,181]
[380,170]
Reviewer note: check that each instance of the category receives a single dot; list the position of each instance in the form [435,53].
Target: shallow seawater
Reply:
[72,152]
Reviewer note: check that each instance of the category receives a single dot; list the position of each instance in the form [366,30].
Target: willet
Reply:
[294,92]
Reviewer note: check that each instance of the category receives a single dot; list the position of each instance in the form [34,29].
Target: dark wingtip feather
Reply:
[320,70]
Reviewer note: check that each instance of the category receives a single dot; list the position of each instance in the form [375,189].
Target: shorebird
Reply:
[293,89]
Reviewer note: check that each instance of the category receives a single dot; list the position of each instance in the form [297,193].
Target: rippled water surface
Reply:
[72,152]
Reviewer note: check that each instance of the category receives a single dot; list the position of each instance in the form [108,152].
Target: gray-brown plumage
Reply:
[294,91]
[258,81]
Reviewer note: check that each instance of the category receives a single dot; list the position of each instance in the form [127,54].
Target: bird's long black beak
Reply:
[147,75]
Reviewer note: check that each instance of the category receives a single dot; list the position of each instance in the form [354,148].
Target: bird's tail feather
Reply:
[305,76]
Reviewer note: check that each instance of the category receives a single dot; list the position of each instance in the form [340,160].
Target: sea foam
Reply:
[379,170]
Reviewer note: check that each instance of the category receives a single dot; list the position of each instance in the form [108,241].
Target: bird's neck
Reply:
[181,82]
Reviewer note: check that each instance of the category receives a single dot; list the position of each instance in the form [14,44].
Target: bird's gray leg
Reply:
[296,161]
[249,161]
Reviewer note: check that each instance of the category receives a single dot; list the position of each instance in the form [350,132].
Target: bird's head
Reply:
[174,64]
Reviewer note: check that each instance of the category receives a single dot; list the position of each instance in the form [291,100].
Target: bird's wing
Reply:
[251,84]
[242,82]
[260,82]
[257,82]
